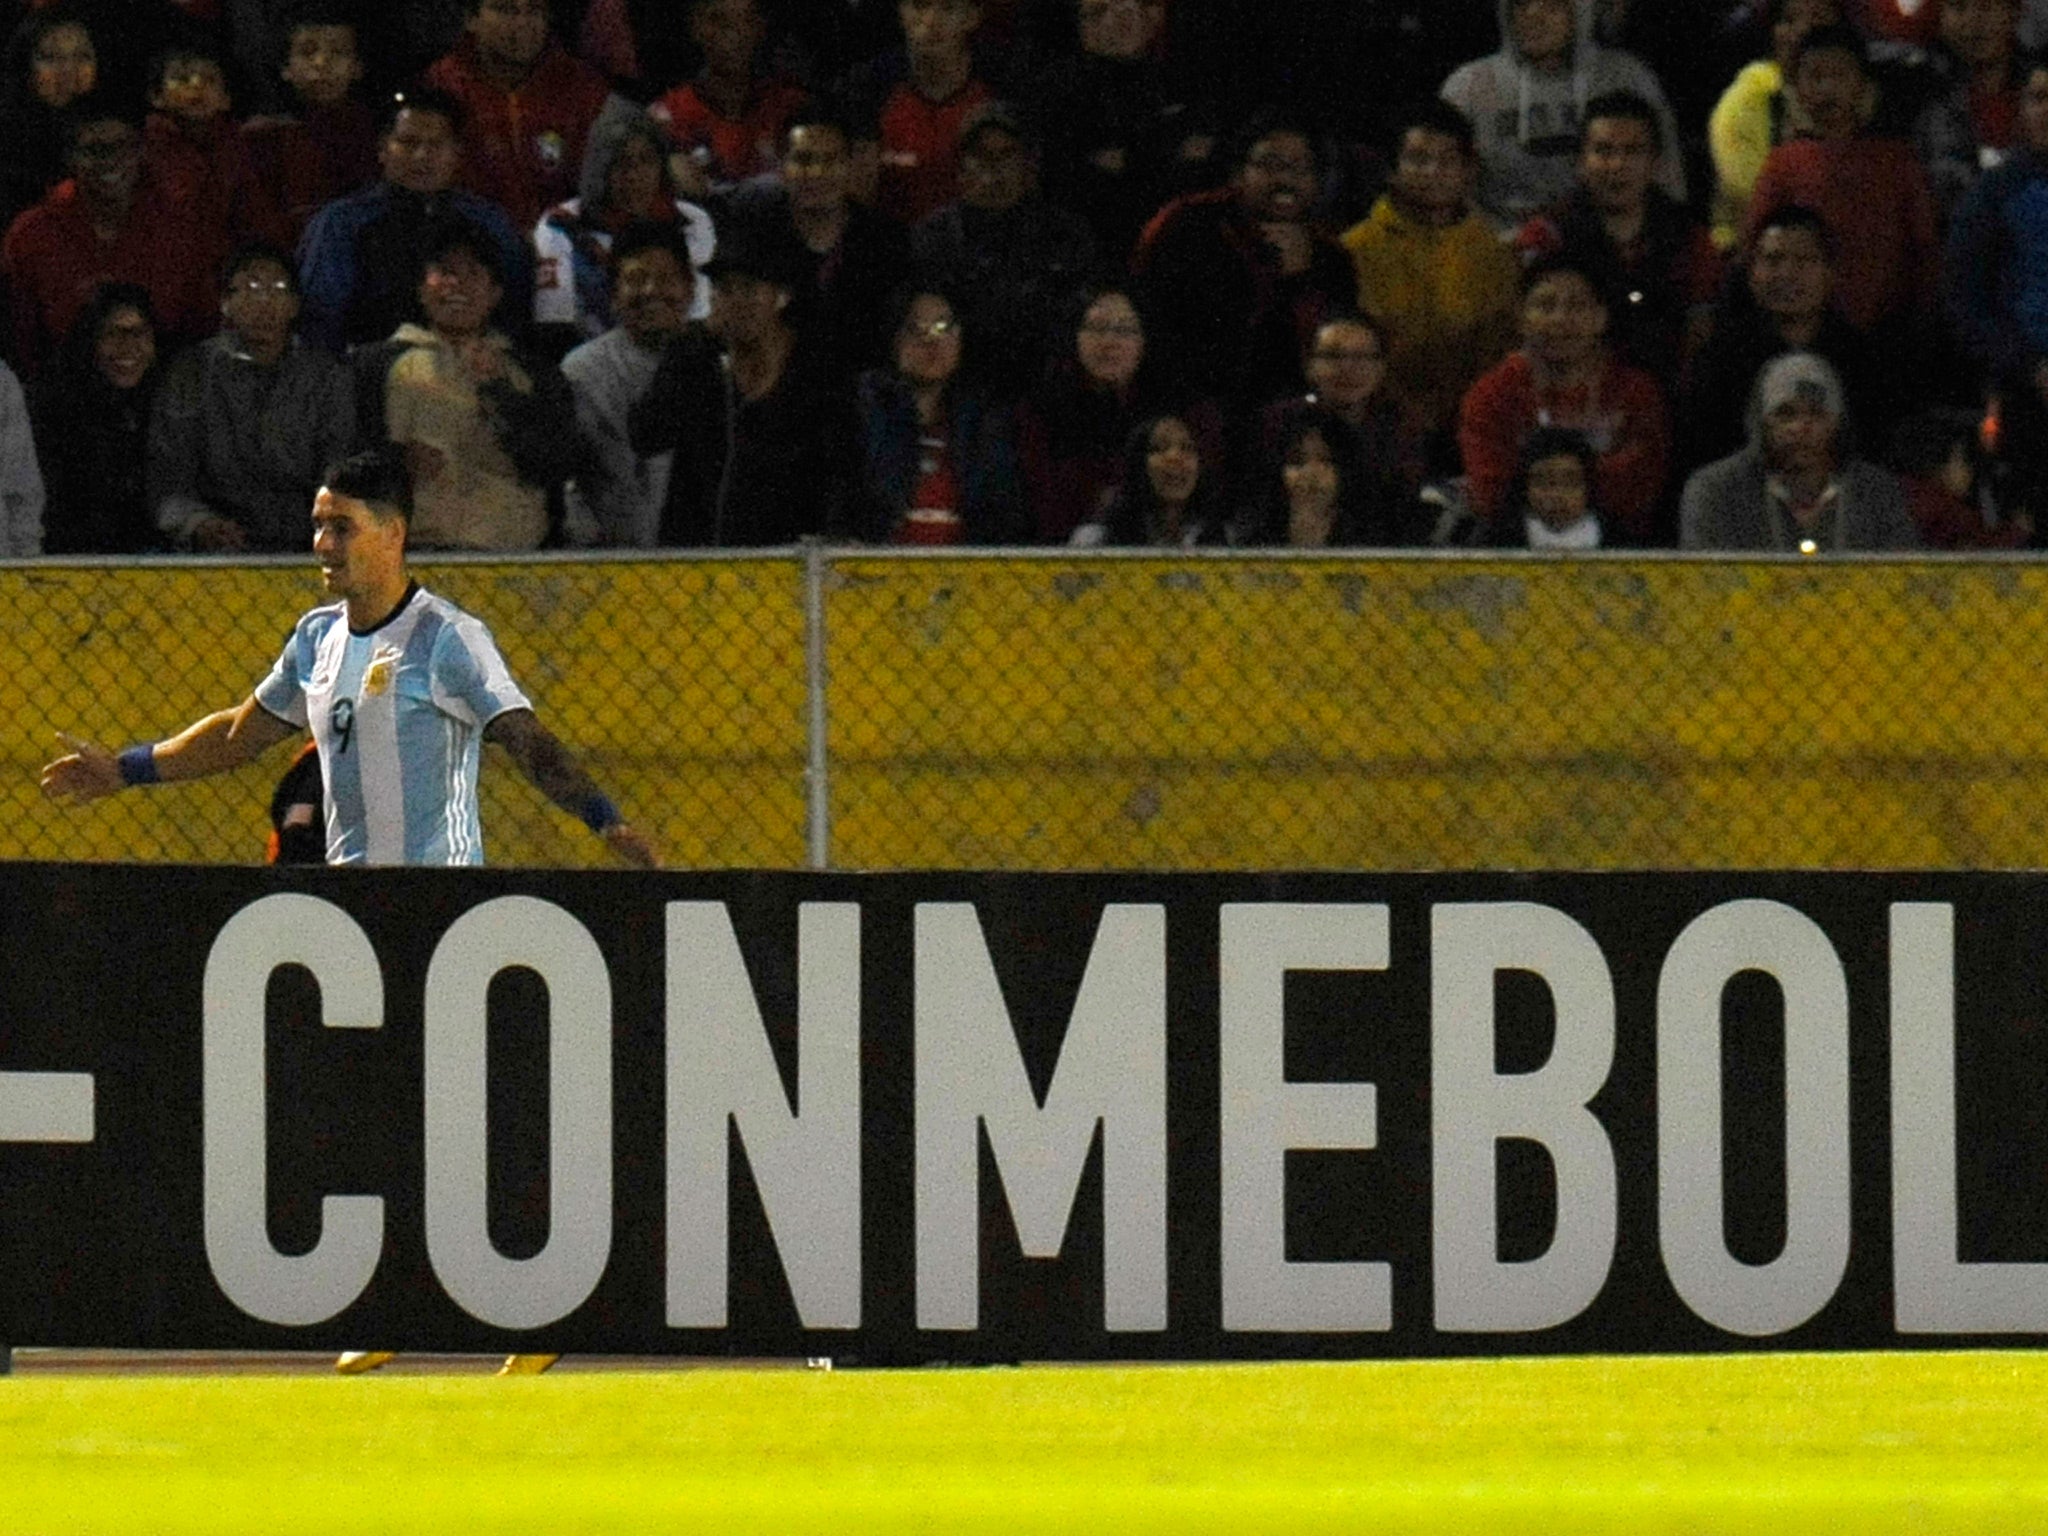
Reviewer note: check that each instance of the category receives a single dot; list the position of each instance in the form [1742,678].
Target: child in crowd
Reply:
[329,148]
[196,153]
[1550,506]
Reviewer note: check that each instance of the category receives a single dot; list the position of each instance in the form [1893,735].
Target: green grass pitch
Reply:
[1842,1444]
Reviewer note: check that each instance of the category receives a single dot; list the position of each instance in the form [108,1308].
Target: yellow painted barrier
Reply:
[1183,713]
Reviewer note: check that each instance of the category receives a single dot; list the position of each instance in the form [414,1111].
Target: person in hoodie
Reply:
[1797,488]
[359,258]
[531,106]
[626,181]
[1527,105]
[1434,271]
[1995,279]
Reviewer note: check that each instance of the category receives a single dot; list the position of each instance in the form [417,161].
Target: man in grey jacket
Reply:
[244,422]
[1795,488]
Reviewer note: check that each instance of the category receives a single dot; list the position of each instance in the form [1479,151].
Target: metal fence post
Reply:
[817,769]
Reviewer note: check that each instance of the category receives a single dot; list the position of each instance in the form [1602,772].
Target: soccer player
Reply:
[400,688]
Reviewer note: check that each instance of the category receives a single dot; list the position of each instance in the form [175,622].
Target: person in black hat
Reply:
[761,435]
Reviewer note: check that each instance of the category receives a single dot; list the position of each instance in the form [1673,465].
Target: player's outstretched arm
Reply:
[557,774]
[216,744]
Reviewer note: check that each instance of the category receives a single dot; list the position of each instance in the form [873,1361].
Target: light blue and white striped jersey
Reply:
[398,714]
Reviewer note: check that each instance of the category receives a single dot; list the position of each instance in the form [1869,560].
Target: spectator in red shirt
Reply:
[192,148]
[531,105]
[1566,375]
[329,149]
[727,123]
[109,223]
[1870,191]
[1657,256]
[912,105]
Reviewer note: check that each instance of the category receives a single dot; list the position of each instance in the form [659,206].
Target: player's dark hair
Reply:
[1625,106]
[378,477]
[424,98]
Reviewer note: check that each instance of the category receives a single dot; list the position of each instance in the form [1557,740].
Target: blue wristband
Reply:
[138,765]
[598,813]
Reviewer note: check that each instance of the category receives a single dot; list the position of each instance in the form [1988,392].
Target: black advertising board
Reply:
[972,1117]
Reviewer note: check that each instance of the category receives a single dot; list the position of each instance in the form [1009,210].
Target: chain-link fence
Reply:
[862,710]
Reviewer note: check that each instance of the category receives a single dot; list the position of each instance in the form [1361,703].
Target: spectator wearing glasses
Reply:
[940,454]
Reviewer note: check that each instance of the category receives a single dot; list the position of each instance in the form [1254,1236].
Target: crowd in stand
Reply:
[1557,274]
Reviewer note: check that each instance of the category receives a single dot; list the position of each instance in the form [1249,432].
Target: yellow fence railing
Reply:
[1048,711]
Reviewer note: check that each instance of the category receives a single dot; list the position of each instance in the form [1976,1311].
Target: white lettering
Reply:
[1111,1073]
[1265,1117]
[519,1293]
[1933,1291]
[805,1158]
[1767,936]
[1473,1107]
[287,929]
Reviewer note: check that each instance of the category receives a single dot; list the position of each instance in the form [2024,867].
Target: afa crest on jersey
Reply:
[552,148]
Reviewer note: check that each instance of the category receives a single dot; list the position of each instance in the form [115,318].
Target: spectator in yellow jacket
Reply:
[1432,268]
